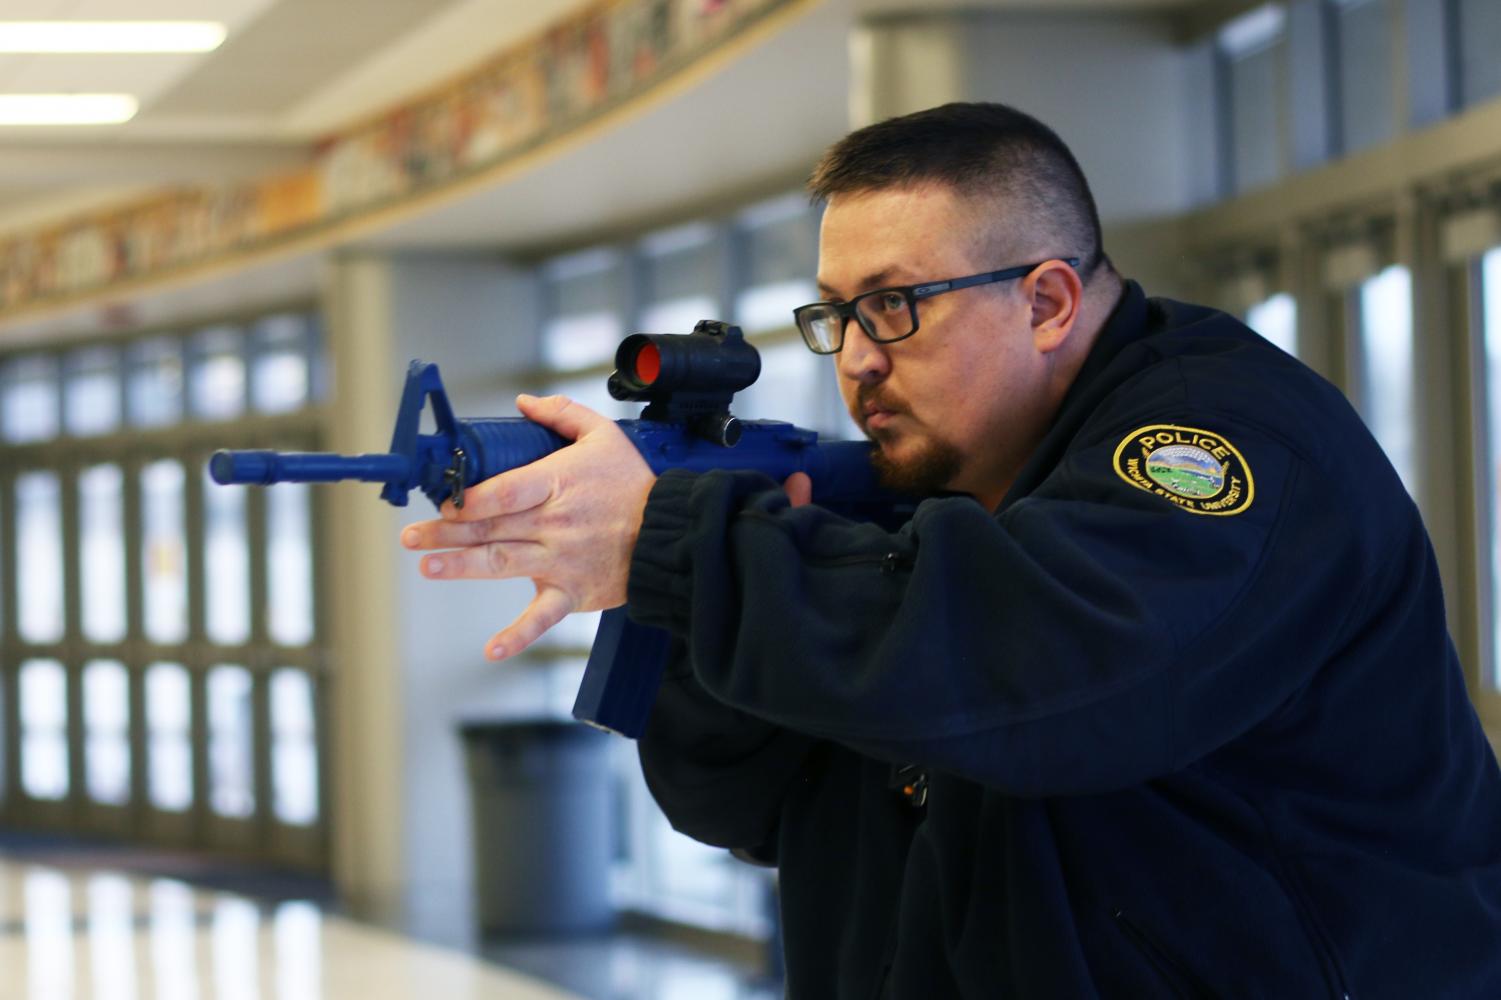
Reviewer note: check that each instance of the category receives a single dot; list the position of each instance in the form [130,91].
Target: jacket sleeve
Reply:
[718,773]
[1091,636]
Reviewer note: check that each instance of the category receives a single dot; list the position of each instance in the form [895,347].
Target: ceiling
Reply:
[289,72]
[294,71]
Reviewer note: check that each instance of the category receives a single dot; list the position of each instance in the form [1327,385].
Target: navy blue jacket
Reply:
[1190,717]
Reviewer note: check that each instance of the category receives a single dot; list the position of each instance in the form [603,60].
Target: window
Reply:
[154,388]
[44,729]
[144,592]
[1363,80]
[227,570]
[1276,319]
[39,557]
[585,320]
[1478,39]
[102,527]
[1385,390]
[164,582]
[681,276]
[283,363]
[216,374]
[169,716]
[289,564]
[92,393]
[1490,321]
[29,411]
[231,751]
[106,713]
[780,248]
[294,747]
[1252,50]
[799,387]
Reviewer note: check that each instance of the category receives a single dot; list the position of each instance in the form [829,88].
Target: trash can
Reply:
[540,797]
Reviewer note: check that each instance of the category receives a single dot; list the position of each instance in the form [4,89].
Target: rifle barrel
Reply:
[266,467]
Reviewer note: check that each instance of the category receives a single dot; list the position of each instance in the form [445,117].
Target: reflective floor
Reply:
[86,934]
[73,929]
[629,965]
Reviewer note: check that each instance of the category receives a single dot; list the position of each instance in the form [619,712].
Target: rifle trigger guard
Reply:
[454,476]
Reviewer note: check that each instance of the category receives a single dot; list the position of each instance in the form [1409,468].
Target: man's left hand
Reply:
[568,521]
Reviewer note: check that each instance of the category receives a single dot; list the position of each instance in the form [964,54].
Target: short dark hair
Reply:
[980,150]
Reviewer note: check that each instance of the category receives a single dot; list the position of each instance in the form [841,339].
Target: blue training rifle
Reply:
[687,382]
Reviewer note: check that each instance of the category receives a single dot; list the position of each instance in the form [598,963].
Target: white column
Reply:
[408,652]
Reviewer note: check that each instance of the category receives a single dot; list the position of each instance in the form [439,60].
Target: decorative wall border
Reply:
[518,103]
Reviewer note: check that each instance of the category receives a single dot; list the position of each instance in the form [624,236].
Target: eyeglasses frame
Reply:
[913,294]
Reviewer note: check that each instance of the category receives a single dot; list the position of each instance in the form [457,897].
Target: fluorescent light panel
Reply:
[66,109]
[110,36]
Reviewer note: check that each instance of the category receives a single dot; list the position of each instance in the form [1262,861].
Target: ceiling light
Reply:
[66,109]
[110,36]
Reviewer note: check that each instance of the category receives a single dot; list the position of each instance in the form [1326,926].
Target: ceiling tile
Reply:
[289,52]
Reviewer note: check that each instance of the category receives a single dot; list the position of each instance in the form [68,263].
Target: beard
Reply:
[931,469]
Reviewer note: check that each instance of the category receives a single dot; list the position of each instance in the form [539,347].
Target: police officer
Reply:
[1153,695]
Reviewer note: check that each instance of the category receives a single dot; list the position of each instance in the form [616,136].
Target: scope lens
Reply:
[647,363]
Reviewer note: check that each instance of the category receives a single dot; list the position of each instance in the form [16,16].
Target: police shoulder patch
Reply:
[1194,469]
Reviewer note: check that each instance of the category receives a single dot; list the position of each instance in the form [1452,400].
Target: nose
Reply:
[861,359]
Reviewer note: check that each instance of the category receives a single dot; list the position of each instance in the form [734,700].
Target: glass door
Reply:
[160,652]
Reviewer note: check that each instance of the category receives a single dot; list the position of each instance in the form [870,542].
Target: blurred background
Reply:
[237,232]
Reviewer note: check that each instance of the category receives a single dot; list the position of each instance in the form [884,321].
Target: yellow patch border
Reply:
[1187,503]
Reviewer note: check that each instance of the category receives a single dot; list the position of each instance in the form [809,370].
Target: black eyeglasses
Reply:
[888,314]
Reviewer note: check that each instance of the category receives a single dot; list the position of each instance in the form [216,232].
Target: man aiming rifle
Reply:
[1153,696]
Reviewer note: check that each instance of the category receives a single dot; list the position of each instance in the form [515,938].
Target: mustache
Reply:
[874,396]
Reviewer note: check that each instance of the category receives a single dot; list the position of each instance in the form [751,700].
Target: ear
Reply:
[1056,293]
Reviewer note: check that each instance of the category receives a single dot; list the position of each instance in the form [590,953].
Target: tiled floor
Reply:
[83,932]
